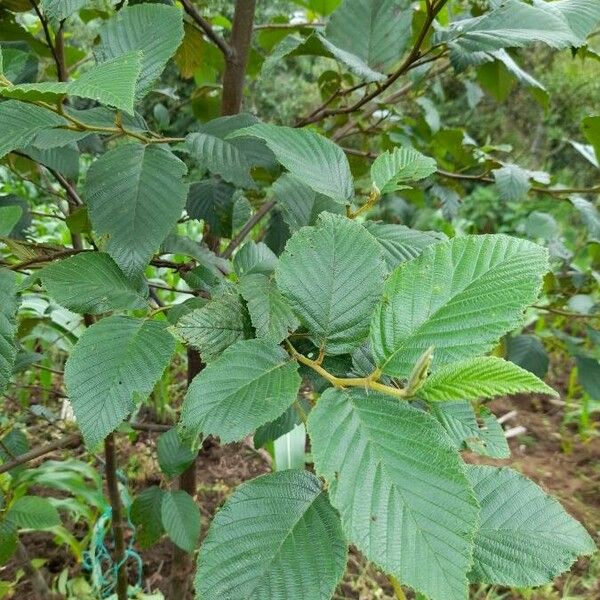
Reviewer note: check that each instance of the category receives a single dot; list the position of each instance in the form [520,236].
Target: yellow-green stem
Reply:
[368,383]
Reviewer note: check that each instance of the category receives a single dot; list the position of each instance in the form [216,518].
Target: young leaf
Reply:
[459,296]
[481,377]
[8,325]
[332,275]
[146,516]
[525,538]
[111,83]
[252,383]
[461,425]
[392,170]
[21,122]
[92,283]
[270,314]
[154,29]
[399,243]
[174,455]
[135,193]
[276,537]
[300,204]
[399,486]
[512,181]
[377,31]
[312,158]
[220,158]
[214,327]
[33,512]
[115,362]
[180,517]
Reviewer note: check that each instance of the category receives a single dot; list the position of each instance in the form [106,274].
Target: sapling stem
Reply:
[112,485]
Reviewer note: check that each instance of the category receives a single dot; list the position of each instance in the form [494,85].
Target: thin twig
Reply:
[414,55]
[247,228]
[40,451]
[48,36]
[310,24]
[206,27]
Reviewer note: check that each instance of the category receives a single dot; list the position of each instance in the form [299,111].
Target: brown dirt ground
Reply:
[551,454]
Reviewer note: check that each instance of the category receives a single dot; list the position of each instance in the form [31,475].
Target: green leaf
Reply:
[588,373]
[356,64]
[220,158]
[9,217]
[214,327]
[589,215]
[254,258]
[111,83]
[591,129]
[181,519]
[174,454]
[276,537]
[154,29]
[64,159]
[525,538]
[461,425]
[116,362]
[8,540]
[377,31]
[399,486]
[14,443]
[212,201]
[270,314]
[391,170]
[8,325]
[33,512]
[512,181]
[528,352]
[582,16]
[399,243]
[481,377]
[252,383]
[90,282]
[513,24]
[331,276]
[146,516]
[135,194]
[58,10]
[283,424]
[21,122]
[300,204]
[459,296]
[312,158]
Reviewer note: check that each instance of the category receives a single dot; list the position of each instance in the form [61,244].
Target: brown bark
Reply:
[112,485]
[235,66]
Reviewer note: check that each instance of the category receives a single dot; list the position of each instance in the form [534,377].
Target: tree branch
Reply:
[206,27]
[235,66]
[414,55]
[247,228]
[40,451]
